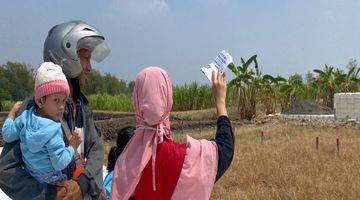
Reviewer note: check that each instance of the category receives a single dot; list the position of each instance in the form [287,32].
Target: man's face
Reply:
[84,56]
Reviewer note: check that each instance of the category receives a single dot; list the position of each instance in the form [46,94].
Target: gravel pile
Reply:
[298,107]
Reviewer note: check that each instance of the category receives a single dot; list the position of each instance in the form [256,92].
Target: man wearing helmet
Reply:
[71,45]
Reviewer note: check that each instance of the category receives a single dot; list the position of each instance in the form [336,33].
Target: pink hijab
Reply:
[152,101]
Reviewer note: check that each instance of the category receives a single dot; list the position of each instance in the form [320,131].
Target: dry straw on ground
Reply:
[287,165]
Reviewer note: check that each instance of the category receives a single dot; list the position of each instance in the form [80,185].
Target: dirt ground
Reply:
[110,123]
[285,164]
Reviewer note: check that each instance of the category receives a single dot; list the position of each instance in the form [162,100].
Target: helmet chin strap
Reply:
[75,87]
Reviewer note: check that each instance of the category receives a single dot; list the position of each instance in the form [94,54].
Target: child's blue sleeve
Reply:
[107,184]
[11,130]
[60,155]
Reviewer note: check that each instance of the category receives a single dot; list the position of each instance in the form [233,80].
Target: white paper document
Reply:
[80,149]
[220,63]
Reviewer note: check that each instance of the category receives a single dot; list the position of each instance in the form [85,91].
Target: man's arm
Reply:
[91,180]
[15,181]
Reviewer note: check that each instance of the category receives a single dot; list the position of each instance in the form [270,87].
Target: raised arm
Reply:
[224,138]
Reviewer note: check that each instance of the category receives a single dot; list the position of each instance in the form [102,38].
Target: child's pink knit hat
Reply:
[50,79]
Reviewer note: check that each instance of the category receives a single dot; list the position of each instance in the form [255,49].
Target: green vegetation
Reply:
[192,97]
[249,88]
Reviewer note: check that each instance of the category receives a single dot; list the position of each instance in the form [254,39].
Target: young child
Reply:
[39,128]
[122,139]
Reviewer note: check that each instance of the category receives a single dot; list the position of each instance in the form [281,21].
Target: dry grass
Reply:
[288,166]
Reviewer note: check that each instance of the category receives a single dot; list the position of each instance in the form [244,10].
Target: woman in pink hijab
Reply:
[152,165]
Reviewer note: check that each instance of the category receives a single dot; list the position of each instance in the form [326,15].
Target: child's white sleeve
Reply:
[60,155]
[11,130]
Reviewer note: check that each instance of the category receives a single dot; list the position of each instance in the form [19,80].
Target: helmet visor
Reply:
[96,45]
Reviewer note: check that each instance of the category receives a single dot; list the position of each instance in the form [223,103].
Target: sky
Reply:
[181,36]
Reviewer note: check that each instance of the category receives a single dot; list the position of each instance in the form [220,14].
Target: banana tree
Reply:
[352,80]
[290,89]
[269,85]
[330,80]
[245,86]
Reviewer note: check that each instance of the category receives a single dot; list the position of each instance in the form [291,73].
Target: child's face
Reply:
[53,106]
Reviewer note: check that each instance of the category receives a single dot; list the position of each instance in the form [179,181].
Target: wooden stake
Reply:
[182,126]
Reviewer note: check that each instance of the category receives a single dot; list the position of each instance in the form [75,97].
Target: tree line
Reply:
[16,83]
[249,88]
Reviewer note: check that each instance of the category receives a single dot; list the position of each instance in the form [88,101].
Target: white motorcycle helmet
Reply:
[64,40]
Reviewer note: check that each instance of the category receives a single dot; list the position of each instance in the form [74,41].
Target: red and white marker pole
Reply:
[182,126]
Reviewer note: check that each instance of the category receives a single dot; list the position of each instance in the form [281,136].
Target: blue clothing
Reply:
[50,177]
[41,142]
[107,184]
